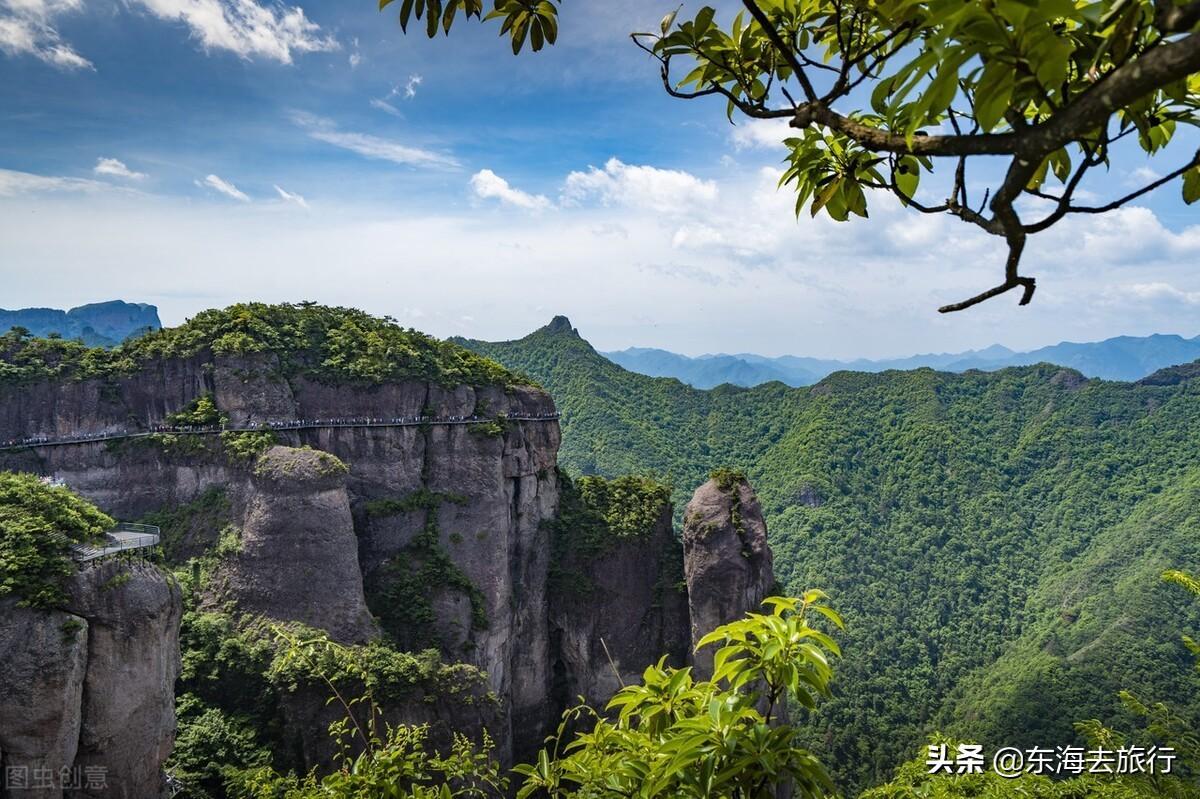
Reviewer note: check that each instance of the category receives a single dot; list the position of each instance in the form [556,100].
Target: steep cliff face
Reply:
[42,672]
[727,561]
[501,479]
[91,687]
[434,535]
[297,555]
[617,611]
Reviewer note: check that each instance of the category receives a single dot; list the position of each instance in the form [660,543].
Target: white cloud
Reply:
[13,183]
[760,134]
[1141,176]
[116,169]
[408,91]
[27,28]
[290,197]
[665,191]
[488,185]
[246,28]
[1158,291]
[370,146]
[410,88]
[385,107]
[224,187]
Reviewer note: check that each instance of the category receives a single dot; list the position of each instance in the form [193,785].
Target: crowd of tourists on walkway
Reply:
[247,427]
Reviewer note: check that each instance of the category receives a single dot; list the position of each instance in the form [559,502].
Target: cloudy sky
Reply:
[194,153]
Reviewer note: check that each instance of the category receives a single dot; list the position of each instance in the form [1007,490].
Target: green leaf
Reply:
[908,178]
[1191,185]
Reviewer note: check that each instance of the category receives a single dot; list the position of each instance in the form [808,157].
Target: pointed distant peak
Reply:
[561,325]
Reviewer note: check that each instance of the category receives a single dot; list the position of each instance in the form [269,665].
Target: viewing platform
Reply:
[125,538]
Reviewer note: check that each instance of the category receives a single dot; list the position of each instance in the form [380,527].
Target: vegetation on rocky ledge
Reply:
[326,343]
[38,525]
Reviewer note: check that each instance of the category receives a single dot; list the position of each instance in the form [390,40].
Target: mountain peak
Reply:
[561,325]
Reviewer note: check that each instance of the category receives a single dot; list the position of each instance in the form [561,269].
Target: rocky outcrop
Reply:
[502,479]
[616,612]
[128,714]
[727,562]
[298,555]
[43,662]
[91,687]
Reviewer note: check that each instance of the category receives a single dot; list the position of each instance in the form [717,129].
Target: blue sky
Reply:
[194,153]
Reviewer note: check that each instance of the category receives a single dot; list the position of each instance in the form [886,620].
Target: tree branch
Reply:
[1144,190]
[1170,18]
[788,52]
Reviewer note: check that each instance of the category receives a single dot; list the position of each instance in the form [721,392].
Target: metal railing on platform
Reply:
[125,538]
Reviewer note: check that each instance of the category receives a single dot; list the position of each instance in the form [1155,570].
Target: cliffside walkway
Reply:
[260,427]
[124,539]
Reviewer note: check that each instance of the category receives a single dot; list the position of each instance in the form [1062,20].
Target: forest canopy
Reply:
[328,343]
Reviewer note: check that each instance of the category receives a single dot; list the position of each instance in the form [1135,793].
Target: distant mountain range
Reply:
[993,539]
[1122,358]
[100,324]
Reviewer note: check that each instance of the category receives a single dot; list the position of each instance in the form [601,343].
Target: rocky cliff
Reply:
[616,610]
[498,480]
[437,536]
[296,554]
[89,688]
[727,560]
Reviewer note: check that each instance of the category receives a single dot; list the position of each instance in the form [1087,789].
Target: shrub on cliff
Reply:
[594,512]
[38,525]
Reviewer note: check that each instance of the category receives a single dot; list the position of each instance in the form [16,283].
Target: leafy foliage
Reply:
[200,412]
[1157,727]
[677,736]
[992,539]
[398,766]
[38,525]
[594,514]
[212,747]
[535,19]
[235,671]
[331,344]
[672,735]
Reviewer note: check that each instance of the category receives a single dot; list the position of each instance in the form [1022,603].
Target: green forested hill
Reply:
[993,540]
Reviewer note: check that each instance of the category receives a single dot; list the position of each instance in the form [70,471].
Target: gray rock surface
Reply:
[622,604]
[507,483]
[91,687]
[128,710]
[43,660]
[299,556]
[727,561]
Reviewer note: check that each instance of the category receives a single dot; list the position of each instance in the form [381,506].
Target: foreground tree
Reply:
[1046,87]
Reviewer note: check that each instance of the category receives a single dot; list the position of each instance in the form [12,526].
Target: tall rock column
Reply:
[127,725]
[298,555]
[43,661]
[726,560]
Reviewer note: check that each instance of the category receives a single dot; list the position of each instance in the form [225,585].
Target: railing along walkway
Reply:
[259,427]
[125,537]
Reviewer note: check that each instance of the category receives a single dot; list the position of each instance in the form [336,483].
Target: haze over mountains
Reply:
[1121,358]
